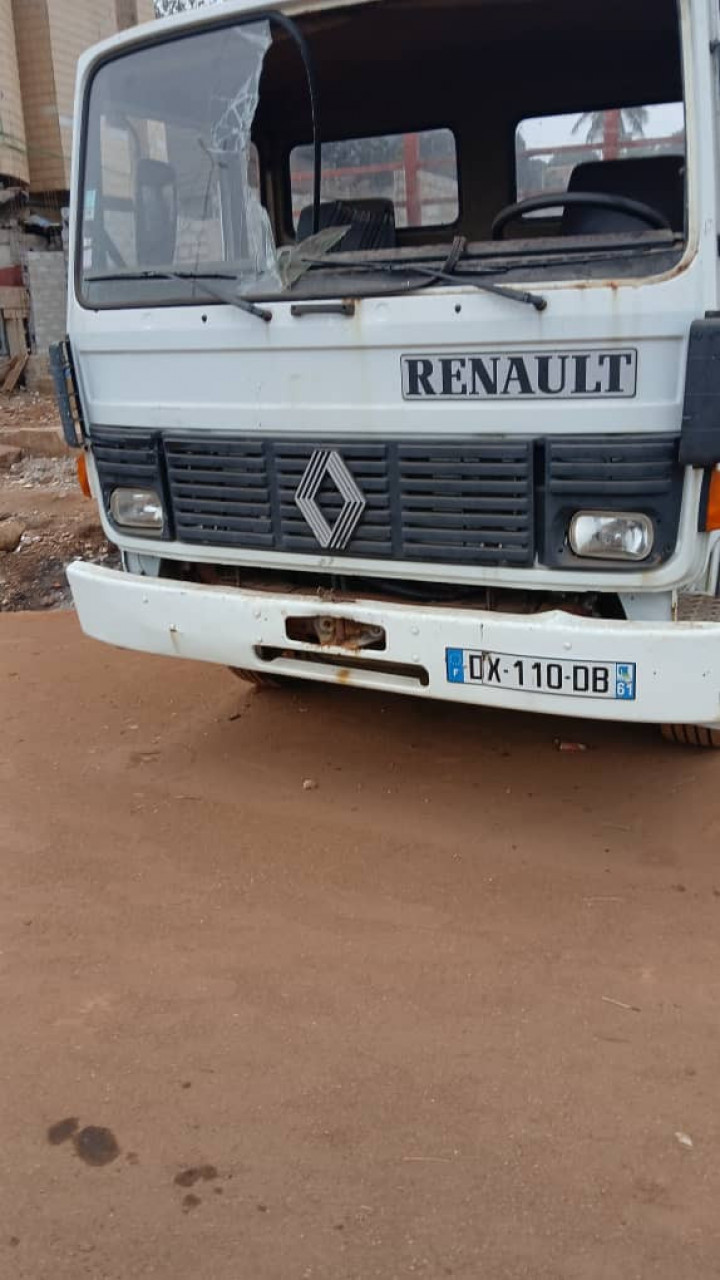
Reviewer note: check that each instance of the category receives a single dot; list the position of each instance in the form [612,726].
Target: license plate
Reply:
[610,681]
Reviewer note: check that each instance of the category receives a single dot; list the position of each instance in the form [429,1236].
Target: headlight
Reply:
[612,535]
[137,509]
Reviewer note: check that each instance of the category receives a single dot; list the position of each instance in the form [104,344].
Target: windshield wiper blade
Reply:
[201,278]
[433,275]
[148,273]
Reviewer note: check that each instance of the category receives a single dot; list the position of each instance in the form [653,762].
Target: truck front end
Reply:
[394,349]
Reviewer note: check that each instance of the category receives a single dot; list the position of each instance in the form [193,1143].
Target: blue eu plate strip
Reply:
[455,659]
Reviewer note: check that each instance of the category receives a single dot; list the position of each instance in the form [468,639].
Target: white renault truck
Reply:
[393,348]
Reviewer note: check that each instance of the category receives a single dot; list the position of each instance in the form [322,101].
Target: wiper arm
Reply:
[433,275]
[233,299]
[236,300]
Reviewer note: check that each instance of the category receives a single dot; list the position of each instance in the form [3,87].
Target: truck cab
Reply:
[394,348]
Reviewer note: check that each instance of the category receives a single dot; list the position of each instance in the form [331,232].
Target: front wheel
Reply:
[261,679]
[692,735]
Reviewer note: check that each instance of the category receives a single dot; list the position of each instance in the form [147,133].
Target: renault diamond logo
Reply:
[327,462]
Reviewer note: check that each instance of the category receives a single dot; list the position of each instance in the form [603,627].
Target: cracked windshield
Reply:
[184,151]
[170,170]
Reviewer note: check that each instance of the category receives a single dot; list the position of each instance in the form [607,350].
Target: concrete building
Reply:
[13,149]
[50,35]
[40,42]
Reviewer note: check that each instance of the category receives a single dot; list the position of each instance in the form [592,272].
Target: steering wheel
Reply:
[580,199]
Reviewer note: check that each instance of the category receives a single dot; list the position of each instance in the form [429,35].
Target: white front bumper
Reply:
[678,664]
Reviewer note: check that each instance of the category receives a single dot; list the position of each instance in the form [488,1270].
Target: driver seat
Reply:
[655,180]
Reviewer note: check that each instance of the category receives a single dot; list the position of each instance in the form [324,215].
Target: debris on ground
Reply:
[620,1004]
[28,409]
[11,531]
[570,748]
[45,522]
[9,454]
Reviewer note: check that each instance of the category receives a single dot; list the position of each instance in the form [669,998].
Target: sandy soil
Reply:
[451,1011]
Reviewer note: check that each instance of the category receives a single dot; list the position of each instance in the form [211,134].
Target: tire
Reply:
[258,678]
[692,735]
[264,680]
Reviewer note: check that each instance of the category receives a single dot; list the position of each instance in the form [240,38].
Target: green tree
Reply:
[611,130]
[630,123]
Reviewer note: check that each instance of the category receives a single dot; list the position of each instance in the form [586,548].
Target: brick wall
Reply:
[46,280]
[74,26]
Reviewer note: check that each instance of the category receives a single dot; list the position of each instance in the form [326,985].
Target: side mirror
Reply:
[156,213]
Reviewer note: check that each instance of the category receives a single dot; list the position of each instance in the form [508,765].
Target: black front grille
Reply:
[640,467]
[220,491]
[454,501]
[457,502]
[368,464]
[460,502]
[635,473]
[127,458]
[467,503]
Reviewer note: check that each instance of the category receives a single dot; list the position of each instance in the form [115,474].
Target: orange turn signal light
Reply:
[82,475]
[712,518]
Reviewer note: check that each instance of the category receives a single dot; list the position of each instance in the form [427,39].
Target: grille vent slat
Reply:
[220,491]
[643,466]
